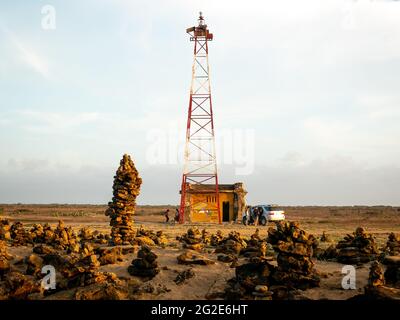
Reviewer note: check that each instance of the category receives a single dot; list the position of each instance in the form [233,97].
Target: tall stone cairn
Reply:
[126,188]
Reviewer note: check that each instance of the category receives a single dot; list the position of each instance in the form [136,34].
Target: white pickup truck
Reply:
[269,212]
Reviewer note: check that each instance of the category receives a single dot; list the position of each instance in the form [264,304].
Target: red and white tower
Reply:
[200,161]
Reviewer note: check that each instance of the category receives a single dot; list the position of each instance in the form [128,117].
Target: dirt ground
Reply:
[335,221]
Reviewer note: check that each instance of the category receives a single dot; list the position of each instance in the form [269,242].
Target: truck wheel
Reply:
[263,221]
[244,221]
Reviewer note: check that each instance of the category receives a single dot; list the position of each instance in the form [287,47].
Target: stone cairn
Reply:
[325,237]
[230,247]
[392,273]
[145,265]
[126,188]
[18,234]
[206,236]
[393,245]
[150,238]
[378,284]
[4,259]
[295,249]
[216,238]
[376,276]
[252,281]
[232,244]
[5,228]
[65,238]
[192,239]
[357,248]
[256,247]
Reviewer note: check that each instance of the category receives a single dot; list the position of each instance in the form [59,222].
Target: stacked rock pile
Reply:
[5,228]
[37,234]
[206,236]
[110,256]
[145,265]
[86,234]
[294,248]
[325,237]
[216,238]
[376,276]
[393,245]
[232,244]
[65,238]
[192,239]
[4,258]
[377,287]
[150,238]
[17,286]
[256,246]
[357,248]
[251,281]
[18,234]
[230,247]
[392,273]
[126,188]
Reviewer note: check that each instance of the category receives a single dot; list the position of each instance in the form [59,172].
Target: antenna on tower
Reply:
[201,19]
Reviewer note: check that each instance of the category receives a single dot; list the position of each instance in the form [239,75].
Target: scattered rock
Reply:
[101,291]
[43,249]
[109,256]
[183,276]
[193,257]
[34,264]
[328,254]
[18,286]
[227,258]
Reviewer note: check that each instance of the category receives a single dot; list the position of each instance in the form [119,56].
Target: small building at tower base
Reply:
[201,202]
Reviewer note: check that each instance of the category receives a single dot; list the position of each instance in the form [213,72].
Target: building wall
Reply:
[202,203]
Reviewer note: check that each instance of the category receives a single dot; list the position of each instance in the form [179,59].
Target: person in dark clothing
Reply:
[166,216]
[176,215]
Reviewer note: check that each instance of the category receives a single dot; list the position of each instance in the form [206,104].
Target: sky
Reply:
[306,98]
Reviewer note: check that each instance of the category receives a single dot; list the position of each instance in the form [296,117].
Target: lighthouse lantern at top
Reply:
[200,31]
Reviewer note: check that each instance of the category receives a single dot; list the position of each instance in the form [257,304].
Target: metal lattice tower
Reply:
[200,161]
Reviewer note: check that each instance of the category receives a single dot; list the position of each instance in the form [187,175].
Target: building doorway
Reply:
[225,211]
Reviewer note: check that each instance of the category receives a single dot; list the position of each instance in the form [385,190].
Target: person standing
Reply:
[166,216]
[255,216]
[176,215]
